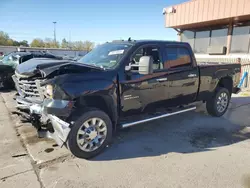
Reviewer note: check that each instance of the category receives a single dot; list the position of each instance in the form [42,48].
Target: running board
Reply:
[125,125]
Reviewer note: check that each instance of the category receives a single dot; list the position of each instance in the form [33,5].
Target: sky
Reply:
[95,20]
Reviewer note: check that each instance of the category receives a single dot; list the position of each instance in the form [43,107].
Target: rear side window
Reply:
[177,57]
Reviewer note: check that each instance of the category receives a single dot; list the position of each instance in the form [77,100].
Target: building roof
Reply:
[203,13]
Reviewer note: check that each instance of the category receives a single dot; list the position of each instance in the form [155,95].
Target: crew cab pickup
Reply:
[117,85]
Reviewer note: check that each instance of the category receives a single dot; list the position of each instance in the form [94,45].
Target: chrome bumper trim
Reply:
[14,78]
[61,130]
[22,104]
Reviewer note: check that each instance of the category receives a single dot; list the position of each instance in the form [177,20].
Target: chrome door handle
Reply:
[192,75]
[161,79]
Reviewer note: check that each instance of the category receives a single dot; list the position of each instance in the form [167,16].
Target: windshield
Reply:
[107,55]
[11,59]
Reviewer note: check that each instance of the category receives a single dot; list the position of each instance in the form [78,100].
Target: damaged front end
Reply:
[49,117]
[41,97]
[61,130]
[57,112]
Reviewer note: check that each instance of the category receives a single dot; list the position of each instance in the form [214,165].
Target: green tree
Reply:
[49,43]
[55,45]
[78,45]
[4,37]
[88,46]
[15,43]
[37,43]
[64,43]
[5,40]
[10,42]
[24,43]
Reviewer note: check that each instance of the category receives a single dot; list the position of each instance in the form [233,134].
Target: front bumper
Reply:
[61,130]
[23,103]
[56,107]
[31,107]
[49,111]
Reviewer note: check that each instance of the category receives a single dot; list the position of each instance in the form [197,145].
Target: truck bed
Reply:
[210,74]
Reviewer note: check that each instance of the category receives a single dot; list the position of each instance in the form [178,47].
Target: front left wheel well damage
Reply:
[103,103]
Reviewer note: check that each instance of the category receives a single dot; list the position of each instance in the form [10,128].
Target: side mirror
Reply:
[146,65]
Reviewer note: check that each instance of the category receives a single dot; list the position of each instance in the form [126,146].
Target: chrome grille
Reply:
[28,87]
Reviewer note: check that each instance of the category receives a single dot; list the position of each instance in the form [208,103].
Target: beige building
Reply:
[212,26]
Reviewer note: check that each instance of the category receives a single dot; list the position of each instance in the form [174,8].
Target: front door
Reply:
[183,75]
[143,92]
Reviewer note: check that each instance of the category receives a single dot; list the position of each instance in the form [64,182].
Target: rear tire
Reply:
[90,134]
[218,104]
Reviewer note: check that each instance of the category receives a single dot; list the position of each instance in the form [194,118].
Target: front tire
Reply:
[218,104]
[90,134]
[8,84]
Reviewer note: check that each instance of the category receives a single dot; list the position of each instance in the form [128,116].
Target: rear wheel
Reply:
[90,134]
[218,104]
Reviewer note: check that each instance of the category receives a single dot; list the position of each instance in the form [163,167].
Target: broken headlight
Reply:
[49,91]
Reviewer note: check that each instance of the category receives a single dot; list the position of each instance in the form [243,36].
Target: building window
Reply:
[240,40]
[188,36]
[219,37]
[201,42]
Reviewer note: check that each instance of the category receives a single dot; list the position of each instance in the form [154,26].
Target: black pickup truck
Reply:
[117,85]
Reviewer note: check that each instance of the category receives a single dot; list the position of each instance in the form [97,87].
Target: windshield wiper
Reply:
[100,66]
[93,65]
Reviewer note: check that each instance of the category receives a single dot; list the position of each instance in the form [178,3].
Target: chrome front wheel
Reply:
[91,134]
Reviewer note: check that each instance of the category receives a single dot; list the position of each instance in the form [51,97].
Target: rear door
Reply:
[183,74]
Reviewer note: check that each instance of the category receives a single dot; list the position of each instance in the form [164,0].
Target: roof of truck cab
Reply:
[147,42]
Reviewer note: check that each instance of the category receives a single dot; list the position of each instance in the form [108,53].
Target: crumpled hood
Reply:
[46,66]
[31,67]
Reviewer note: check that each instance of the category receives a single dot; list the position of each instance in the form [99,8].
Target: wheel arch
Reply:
[226,82]
[104,103]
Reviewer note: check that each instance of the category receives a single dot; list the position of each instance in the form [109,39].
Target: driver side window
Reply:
[152,51]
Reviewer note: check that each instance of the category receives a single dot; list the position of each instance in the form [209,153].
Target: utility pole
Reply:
[54,32]
[69,43]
